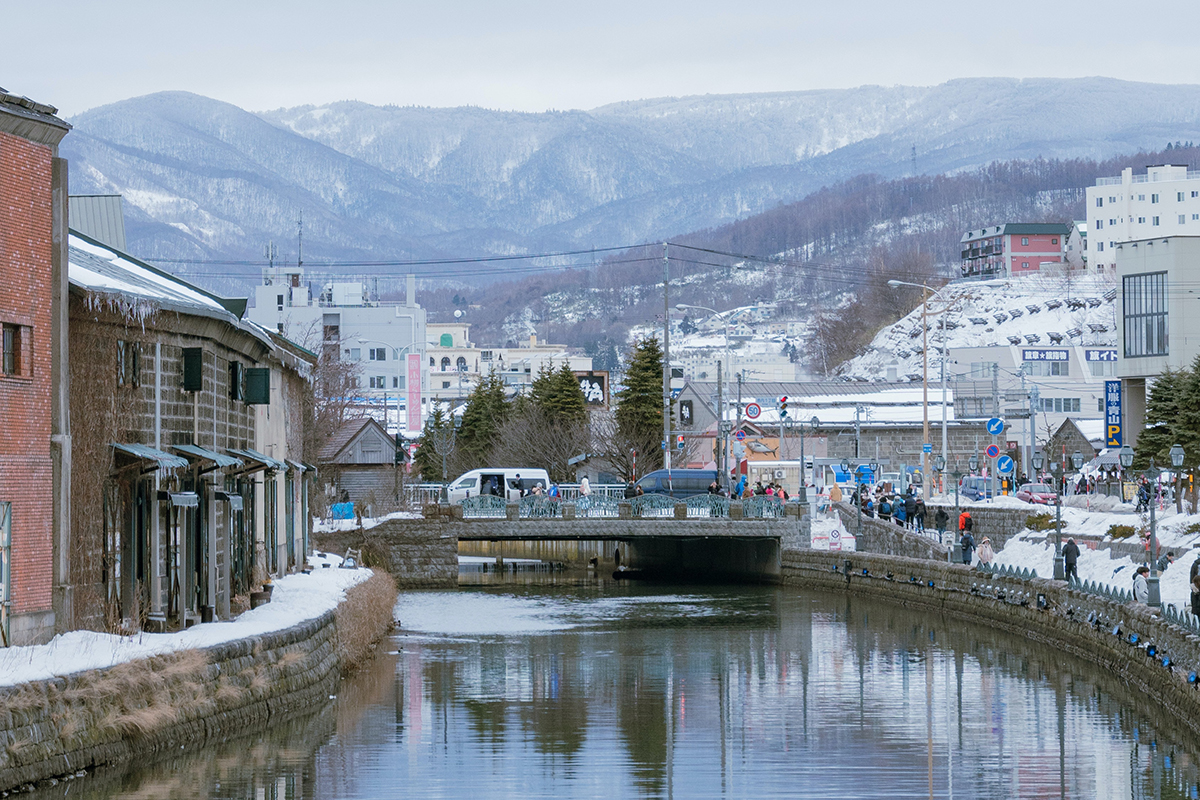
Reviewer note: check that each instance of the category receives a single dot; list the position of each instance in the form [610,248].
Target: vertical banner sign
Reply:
[414,392]
[1112,414]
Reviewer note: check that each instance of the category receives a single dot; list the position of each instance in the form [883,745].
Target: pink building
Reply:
[1015,248]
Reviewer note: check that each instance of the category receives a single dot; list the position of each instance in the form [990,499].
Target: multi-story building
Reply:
[35,448]
[1015,248]
[385,341]
[456,364]
[1158,326]
[1163,202]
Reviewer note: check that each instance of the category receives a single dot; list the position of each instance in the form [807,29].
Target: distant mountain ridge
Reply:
[205,179]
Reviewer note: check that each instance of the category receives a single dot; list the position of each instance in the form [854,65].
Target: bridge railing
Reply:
[598,507]
[762,507]
[653,506]
[484,507]
[707,506]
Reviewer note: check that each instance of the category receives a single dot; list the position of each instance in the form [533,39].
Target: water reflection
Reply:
[569,689]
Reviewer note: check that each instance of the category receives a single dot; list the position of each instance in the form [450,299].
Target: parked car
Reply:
[683,483]
[1038,493]
[975,487]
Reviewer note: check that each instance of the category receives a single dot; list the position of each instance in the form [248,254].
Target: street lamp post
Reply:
[1153,595]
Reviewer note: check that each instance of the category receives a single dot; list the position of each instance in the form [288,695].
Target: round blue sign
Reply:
[995,426]
[1005,465]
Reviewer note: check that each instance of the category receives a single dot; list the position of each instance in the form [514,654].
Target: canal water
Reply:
[553,685]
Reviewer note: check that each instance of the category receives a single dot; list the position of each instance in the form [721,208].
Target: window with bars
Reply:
[12,350]
[1145,314]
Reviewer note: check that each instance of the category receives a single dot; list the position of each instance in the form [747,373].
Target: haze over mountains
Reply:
[205,179]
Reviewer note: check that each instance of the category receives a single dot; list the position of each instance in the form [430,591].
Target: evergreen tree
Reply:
[557,397]
[1186,419]
[427,461]
[639,404]
[1164,418]
[482,419]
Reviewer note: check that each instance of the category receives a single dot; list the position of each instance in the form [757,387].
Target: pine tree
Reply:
[639,404]
[1186,414]
[482,419]
[1164,413]
[557,396]
[427,461]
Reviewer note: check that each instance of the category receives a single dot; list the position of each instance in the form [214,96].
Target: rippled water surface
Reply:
[570,688]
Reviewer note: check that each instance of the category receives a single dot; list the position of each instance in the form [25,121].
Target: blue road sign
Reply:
[995,426]
[926,448]
[740,435]
[1005,465]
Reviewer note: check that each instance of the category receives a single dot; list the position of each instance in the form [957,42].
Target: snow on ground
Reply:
[1035,549]
[335,525]
[295,598]
[982,301]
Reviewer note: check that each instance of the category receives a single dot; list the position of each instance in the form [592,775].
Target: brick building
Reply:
[1016,248]
[35,447]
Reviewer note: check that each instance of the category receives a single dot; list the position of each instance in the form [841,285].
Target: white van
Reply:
[503,482]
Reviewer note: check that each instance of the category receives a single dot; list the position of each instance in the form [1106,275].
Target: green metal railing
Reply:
[762,507]
[484,506]
[654,505]
[707,506]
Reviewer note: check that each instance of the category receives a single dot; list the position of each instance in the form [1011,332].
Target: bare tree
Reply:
[535,439]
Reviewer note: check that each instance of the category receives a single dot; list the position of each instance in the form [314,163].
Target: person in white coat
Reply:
[1141,589]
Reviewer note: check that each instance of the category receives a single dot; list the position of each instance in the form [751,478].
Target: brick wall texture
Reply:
[25,270]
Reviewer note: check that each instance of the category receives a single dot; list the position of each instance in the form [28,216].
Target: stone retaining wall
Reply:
[879,536]
[69,725]
[419,553]
[1076,622]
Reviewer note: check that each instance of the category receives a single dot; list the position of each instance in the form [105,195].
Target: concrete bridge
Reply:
[675,541]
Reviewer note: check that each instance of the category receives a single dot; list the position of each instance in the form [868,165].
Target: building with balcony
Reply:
[456,365]
[1127,208]
[1016,248]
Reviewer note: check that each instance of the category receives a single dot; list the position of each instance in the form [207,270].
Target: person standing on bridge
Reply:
[940,520]
[968,545]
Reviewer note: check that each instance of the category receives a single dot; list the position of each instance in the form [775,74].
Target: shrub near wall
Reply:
[74,723]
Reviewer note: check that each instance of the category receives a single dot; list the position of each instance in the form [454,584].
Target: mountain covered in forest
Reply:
[203,179]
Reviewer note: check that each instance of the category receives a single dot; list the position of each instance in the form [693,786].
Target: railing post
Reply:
[625,510]
[735,509]
[681,511]
[568,511]
[512,512]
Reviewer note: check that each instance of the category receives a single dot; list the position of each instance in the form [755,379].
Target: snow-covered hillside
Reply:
[1039,310]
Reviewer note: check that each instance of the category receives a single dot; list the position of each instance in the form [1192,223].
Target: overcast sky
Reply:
[534,55]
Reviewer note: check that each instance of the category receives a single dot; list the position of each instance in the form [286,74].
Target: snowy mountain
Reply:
[207,179]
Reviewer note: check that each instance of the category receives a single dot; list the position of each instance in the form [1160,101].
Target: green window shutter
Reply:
[193,369]
[258,386]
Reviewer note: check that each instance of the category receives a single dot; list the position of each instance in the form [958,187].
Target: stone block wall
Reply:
[418,553]
[1071,620]
[889,538]
[136,710]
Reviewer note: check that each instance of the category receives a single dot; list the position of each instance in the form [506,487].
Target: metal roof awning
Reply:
[308,467]
[234,500]
[145,453]
[295,465]
[180,499]
[256,461]
[218,460]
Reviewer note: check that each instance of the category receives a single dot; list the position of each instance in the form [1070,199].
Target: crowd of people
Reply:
[906,510]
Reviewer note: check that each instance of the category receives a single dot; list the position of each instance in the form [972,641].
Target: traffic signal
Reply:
[783,406]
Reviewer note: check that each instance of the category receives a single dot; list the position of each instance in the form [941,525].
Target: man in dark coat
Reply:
[1071,559]
[968,545]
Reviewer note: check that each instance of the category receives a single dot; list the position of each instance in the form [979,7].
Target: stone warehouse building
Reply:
[189,486]
[35,449]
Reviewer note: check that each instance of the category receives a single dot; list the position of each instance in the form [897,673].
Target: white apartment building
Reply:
[386,340]
[1163,202]
[456,364]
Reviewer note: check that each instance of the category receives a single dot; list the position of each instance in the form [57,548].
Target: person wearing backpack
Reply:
[885,508]
[968,545]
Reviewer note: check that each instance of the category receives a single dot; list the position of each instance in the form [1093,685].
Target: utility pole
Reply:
[300,240]
[720,417]
[857,432]
[1033,401]
[667,365]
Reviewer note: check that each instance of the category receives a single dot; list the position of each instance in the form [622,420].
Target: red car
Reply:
[1039,493]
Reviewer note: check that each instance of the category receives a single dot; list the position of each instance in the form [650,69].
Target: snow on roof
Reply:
[1093,429]
[978,315]
[102,269]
